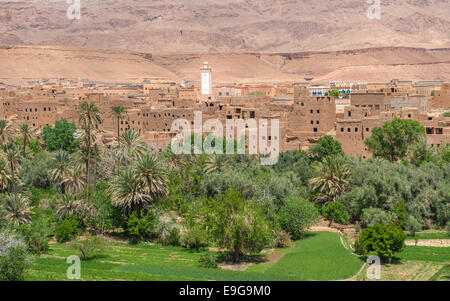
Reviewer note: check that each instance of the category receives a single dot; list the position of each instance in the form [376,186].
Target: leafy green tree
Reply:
[326,146]
[236,225]
[422,152]
[384,240]
[333,92]
[36,171]
[106,217]
[61,136]
[335,212]
[372,216]
[393,140]
[401,213]
[296,216]
[412,225]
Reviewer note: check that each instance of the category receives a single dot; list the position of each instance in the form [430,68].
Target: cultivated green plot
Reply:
[319,256]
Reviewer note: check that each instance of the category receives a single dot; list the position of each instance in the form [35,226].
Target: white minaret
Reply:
[206,79]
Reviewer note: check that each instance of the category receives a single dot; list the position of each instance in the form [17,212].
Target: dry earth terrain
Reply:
[227,26]
[22,63]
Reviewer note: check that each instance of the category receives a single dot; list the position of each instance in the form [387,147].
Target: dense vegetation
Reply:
[69,186]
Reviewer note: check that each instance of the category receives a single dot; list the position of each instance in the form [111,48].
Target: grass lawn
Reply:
[430,235]
[443,274]
[436,254]
[319,256]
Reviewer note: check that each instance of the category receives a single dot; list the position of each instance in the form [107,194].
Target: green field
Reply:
[435,254]
[430,235]
[319,256]
[443,274]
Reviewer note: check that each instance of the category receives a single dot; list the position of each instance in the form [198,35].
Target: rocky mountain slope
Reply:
[226,26]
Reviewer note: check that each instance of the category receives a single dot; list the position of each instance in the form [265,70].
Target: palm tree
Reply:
[172,160]
[332,180]
[17,208]
[4,175]
[131,146]
[6,132]
[69,204]
[73,180]
[27,134]
[128,192]
[152,173]
[62,161]
[13,158]
[215,163]
[89,119]
[118,113]
[97,157]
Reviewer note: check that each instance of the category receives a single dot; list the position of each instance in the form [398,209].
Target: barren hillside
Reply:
[21,63]
[226,26]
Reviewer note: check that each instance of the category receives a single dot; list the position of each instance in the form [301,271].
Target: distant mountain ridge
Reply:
[227,26]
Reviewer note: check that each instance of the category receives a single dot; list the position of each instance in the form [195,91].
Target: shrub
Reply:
[281,239]
[88,247]
[14,264]
[383,240]
[326,146]
[358,247]
[358,228]
[37,234]
[372,216]
[335,212]
[142,228]
[68,228]
[412,225]
[13,257]
[208,261]
[296,216]
[171,237]
[195,238]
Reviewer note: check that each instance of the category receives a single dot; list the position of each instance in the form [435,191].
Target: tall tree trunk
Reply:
[236,254]
[95,169]
[63,188]
[88,161]
[24,146]
[13,179]
[118,132]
